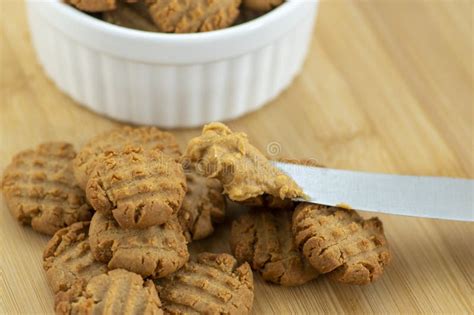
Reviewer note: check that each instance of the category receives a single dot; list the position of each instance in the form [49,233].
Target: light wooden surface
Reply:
[387,87]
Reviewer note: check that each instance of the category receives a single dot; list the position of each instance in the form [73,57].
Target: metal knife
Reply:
[419,196]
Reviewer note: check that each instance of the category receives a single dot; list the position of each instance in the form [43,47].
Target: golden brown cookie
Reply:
[133,15]
[242,169]
[190,16]
[117,292]
[209,284]
[339,241]
[203,206]
[153,252]
[148,138]
[140,188]
[261,5]
[264,239]
[93,5]
[67,258]
[40,189]
[246,15]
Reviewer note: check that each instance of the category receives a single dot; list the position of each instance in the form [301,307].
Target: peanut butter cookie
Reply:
[264,239]
[67,258]
[203,206]
[117,292]
[209,284]
[243,170]
[339,241]
[148,138]
[190,16]
[156,251]
[40,189]
[261,5]
[93,5]
[246,15]
[140,188]
[133,15]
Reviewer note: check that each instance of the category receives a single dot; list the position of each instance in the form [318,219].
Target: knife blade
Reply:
[419,196]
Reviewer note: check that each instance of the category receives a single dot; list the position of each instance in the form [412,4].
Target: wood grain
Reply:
[387,87]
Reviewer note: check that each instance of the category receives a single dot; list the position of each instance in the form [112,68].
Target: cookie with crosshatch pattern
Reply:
[264,239]
[208,284]
[340,242]
[148,138]
[115,292]
[40,189]
[68,259]
[152,252]
[190,16]
[139,187]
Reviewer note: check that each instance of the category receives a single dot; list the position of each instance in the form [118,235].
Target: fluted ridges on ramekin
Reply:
[170,95]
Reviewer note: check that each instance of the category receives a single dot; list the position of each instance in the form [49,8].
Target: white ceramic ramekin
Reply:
[171,80]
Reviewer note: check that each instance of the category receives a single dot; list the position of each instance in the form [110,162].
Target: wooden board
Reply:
[387,87]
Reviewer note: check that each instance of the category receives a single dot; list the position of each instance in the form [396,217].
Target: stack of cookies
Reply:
[124,209]
[172,16]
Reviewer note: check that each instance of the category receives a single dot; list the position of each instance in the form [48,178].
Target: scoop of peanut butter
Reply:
[243,170]
[189,16]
